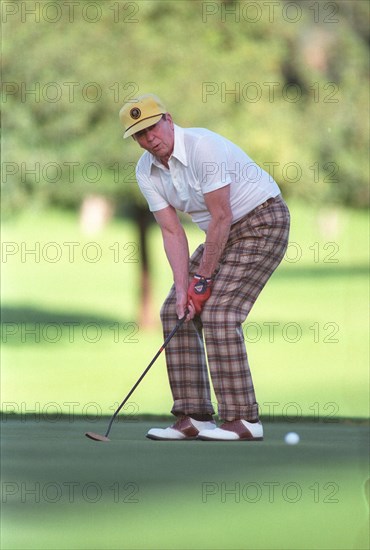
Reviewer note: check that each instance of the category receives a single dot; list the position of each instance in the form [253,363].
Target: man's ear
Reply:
[169,119]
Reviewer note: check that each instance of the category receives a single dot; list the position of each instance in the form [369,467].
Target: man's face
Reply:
[158,139]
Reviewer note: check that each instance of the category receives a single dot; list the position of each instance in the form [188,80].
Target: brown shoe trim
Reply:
[185,426]
[237,427]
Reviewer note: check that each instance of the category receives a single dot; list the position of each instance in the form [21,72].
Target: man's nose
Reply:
[149,135]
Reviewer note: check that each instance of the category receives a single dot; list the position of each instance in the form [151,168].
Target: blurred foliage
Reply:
[288,82]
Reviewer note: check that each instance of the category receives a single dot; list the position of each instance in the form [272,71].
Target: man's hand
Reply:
[183,307]
[199,291]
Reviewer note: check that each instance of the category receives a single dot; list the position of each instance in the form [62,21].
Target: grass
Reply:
[71,338]
[63,491]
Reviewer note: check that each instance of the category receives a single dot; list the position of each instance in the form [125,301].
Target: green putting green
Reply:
[63,491]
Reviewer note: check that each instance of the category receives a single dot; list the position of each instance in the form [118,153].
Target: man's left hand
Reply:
[199,291]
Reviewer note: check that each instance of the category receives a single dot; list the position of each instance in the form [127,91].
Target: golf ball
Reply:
[291,438]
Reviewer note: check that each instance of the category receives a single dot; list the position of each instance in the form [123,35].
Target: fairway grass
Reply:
[72,342]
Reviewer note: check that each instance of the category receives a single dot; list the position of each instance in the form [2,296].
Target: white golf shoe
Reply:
[236,430]
[184,428]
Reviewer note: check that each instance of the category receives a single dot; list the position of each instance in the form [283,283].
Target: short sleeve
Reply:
[154,199]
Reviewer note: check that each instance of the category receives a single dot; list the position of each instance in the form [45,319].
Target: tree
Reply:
[293,93]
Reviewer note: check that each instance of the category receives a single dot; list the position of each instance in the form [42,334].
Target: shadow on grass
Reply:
[31,325]
[320,271]
[25,314]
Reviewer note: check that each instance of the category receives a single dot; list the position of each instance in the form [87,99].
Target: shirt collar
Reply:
[179,151]
[179,146]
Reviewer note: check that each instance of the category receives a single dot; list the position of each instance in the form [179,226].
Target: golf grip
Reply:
[179,323]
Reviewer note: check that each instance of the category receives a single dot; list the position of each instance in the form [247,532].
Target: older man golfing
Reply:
[246,223]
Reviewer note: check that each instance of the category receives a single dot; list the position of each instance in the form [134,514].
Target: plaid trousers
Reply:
[255,247]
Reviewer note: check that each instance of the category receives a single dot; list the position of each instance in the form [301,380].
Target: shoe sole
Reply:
[157,438]
[230,440]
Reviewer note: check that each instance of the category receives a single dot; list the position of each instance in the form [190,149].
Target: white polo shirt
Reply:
[203,161]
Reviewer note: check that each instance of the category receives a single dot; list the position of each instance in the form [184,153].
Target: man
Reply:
[246,223]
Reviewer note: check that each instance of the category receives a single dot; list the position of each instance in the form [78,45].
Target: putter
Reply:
[98,437]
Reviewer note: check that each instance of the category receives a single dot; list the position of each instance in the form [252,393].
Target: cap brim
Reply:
[142,124]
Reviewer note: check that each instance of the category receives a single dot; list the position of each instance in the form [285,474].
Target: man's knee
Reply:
[221,316]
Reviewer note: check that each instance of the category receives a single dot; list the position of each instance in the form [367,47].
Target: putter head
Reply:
[97,437]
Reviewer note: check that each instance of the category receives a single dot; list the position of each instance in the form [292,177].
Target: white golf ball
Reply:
[291,438]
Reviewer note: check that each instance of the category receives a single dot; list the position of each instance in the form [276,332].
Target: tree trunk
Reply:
[148,318]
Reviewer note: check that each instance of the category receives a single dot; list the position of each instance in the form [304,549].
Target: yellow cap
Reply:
[140,113]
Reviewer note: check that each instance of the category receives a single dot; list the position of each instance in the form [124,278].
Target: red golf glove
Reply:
[199,291]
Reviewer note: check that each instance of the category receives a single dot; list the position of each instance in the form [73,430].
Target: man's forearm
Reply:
[177,251]
[217,235]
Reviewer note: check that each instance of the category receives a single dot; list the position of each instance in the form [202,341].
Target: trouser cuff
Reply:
[189,406]
[237,412]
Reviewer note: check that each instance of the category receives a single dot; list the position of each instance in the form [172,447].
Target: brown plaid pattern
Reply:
[255,247]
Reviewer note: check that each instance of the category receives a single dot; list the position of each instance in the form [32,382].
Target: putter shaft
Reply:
[179,323]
